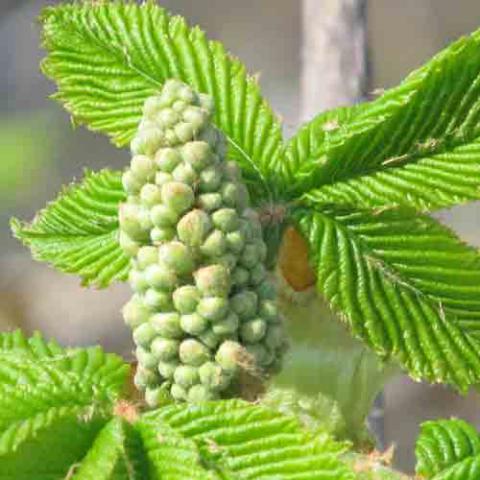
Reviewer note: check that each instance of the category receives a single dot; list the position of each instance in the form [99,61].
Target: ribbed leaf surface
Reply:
[77,232]
[47,395]
[448,450]
[405,284]
[108,57]
[116,454]
[418,145]
[237,440]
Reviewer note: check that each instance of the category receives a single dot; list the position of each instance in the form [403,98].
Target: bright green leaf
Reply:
[116,454]
[109,57]
[237,440]
[404,284]
[47,395]
[448,450]
[77,233]
[417,145]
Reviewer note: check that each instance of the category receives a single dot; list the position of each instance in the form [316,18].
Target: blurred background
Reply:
[40,151]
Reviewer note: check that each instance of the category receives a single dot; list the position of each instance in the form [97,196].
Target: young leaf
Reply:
[77,233]
[448,450]
[109,57]
[49,394]
[237,440]
[418,145]
[405,285]
[116,454]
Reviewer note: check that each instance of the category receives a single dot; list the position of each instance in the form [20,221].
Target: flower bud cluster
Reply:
[203,307]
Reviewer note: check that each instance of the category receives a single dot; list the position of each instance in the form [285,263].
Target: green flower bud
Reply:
[147,141]
[178,393]
[257,274]
[151,106]
[185,173]
[134,312]
[234,195]
[160,235]
[214,245]
[167,369]
[160,277]
[137,280]
[209,338]
[266,290]
[206,102]
[249,257]
[186,376]
[253,330]
[210,201]
[197,154]
[227,326]
[184,131]
[150,194]
[192,352]
[146,256]
[210,179]
[167,325]
[144,334]
[268,309]
[193,227]
[164,349]
[133,222]
[213,376]
[235,241]
[195,116]
[161,178]
[230,355]
[193,323]
[186,94]
[163,216]
[186,299]
[209,135]
[262,250]
[171,139]
[157,300]
[144,378]
[131,184]
[213,308]
[263,356]
[179,106]
[177,256]
[228,260]
[128,245]
[254,222]
[213,280]
[154,397]
[244,304]
[167,159]
[240,276]
[142,167]
[199,394]
[177,196]
[146,358]
[167,118]
[226,219]
[232,171]
[275,336]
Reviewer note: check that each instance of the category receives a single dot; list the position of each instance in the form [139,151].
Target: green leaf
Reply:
[237,440]
[116,454]
[448,450]
[77,233]
[47,395]
[418,145]
[107,58]
[405,285]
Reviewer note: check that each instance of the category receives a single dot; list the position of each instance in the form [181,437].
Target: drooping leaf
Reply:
[448,450]
[417,145]
[404,284]
[47,395]
[77,232]
[116,454]
[237,440]
[108,57]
